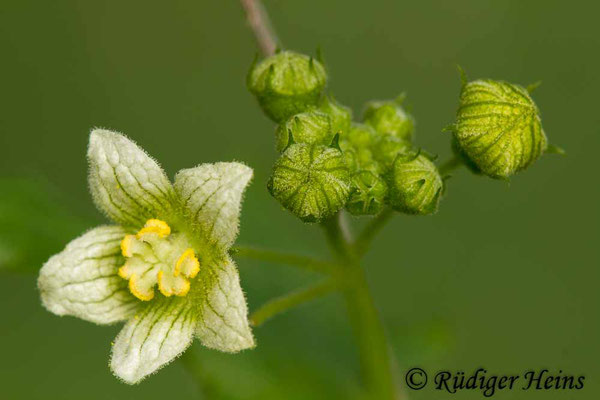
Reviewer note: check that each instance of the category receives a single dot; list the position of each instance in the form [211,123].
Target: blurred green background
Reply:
[504,276]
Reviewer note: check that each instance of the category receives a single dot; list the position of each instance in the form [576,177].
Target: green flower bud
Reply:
[387,148]
[367,194]
[361,136]
[309,127]
[498,127]
[415,185]
[458,152]
[389,117]
[341,116]
[287,83]
[356,145]
[312,181]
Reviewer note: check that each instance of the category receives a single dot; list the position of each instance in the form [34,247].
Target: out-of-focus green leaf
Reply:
[34,224]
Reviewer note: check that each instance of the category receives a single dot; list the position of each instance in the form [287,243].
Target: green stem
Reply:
[450,165]
[277,257]
[368,329]
[363,242]
[290,300]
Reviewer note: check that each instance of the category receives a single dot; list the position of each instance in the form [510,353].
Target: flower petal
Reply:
[153,338]
[223,323]
[212,195]
[82,280]
[128,185]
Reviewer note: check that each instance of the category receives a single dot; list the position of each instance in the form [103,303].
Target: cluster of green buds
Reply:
[329,162]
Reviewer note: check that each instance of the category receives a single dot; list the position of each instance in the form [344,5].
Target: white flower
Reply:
[164,267]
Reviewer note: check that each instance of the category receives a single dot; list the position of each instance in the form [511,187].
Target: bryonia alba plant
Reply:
[164,266]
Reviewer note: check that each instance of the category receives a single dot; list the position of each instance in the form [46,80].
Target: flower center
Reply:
[156,256]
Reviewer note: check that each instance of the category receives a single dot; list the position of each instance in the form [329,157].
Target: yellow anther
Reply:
[187,264]
[123,272]
[133,287]
[161,228]
[152,260]
[184,289]
[172,285]
[126,245]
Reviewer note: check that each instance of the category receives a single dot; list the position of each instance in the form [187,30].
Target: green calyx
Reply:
[415,185]
[498,128]
[311,180]
[389,117]
[287,83]
[368,193]
[312,127]
[341,116]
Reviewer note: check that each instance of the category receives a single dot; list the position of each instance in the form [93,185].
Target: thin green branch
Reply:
[291,300]
[277,257]
[365,238]
[450,165]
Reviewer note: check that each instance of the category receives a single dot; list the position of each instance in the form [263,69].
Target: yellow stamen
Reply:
[123,272]
[151,261]
[172,285]
[184,290]
[126,245]
[188,264]
[161,285]
[161,228]
[133,287]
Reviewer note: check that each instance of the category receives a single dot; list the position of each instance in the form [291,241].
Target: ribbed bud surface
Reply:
[312,127]
[287,83]
[368,194]
[498,127]
[311,181]
[415,185]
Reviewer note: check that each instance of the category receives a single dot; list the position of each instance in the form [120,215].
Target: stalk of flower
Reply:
[163,266]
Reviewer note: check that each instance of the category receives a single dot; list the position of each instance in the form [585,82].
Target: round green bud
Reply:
[458,152]
[387,148]
[361,136]
[498,127]
[341,116]
[367,194]
[415,185]
[312,181]
[356,146]
[308,127]
[287,83]
[389,117]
